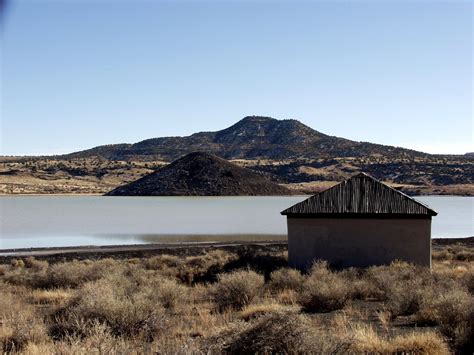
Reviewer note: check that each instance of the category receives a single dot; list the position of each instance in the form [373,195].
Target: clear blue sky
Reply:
[77,74]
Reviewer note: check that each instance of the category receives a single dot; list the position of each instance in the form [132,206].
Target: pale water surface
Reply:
[56,221]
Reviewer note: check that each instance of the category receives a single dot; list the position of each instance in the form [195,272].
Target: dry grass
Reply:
[53,297]
[367,341]
[253,311]
[222,301]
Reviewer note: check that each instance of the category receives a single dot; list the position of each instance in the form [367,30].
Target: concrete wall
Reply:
[358,242]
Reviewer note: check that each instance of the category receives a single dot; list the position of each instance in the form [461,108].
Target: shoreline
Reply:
[292,195]
[179,248]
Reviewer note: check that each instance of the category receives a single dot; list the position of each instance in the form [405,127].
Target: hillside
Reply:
[284,151]
[253,137]
[201,174]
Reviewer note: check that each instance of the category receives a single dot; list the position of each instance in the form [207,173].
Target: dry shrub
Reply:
[288,297]
[134,261]
[286,279]
[405,298]
[76,273]
[236,289]
[191,269]
[323,290]
[389,278]
[367,341]
[161,262]
[15,263]
[403,286]
[419,343]
[19,324]
[170,293]
[461,253]
[439,255]
[3,270]
[454,313]
[36,265]
[132,302]
[360,287]
[284,332]
[62,275]
[129,306]
[98,340]
[66,324]
[408,289]
[457,252]
[204,268]
[467,280]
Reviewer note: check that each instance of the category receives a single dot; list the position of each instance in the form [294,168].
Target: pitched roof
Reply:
[361,195]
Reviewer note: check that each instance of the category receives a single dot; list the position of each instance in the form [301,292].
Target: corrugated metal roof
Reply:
[361,194]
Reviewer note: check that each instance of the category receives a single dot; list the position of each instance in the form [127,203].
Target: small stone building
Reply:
[359,222]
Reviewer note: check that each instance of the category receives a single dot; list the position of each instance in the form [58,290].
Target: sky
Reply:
[77,74]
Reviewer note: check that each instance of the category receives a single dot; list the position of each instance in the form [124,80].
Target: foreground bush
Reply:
[130,304]
[168,304]
[237,289]
[324,291]
[281,332]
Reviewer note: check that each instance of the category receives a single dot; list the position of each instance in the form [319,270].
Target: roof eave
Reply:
[357,215]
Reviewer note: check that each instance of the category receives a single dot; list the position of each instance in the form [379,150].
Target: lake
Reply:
[58,221]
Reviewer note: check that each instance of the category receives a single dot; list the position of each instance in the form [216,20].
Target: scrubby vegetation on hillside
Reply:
[236,301]
[420,176]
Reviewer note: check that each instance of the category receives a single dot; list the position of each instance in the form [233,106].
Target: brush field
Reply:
[236,299]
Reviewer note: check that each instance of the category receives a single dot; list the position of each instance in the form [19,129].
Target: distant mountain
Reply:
[253,137]
[201,174]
